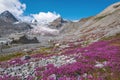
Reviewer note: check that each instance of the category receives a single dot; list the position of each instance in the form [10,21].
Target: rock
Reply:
[25,40]
[1,70]
[28,69]
[57,23]
[26,57]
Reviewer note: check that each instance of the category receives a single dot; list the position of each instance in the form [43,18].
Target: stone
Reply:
[25,39]
[26,57]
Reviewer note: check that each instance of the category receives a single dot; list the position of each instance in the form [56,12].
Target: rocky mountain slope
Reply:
[10,24]
[107,23]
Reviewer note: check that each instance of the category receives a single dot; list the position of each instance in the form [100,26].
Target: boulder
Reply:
[25,40]
[26,57]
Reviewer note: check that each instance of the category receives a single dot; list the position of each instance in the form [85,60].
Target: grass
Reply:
[115,40]
[111,37]
[43,50]
[100,17]
[6,57]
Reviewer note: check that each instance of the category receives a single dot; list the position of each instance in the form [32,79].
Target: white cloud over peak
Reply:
[14,6]
[17,9]
[45,18]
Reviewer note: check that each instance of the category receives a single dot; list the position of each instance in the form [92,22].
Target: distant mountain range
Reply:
[10,24]
[105,24]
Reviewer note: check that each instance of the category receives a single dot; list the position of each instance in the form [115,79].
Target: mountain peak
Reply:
[57,23]
[110,9]
[8,17]
[6,12]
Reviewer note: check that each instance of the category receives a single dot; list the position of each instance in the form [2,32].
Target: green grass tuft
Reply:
[111,37]
[100,17]
[5,57]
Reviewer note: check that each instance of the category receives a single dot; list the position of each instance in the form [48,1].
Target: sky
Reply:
[69,9]
[48,10]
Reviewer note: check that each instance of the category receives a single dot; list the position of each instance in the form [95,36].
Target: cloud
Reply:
[17,9]
[44,18]
[14,6]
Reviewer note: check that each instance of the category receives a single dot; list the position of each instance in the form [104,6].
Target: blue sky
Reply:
[68,9]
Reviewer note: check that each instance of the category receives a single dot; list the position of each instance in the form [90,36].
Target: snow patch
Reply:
[43,30]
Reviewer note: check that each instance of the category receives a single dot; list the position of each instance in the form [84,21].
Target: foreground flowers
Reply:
[98,61]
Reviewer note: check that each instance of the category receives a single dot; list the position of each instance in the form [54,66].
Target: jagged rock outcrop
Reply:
[57,23]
